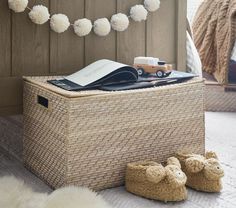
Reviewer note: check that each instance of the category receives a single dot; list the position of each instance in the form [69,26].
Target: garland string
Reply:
[59,23]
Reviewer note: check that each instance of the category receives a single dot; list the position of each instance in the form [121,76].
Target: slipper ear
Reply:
[195,164]
[173,161]
[155,173]
[211,154]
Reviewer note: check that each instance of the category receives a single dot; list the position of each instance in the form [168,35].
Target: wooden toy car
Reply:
[150,65]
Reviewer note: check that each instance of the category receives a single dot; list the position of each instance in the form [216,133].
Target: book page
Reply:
[94,72]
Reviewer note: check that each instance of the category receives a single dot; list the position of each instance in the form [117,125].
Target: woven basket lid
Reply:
[41,81]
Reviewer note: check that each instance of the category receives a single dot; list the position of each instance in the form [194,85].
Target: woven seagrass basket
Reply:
[86,138]
[220,100]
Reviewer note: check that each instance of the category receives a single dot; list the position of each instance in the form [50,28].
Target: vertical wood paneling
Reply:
[5,39]
[67,49]
[30,44]
[181,24]
[29,49]
[100,47]
[130,43]
[161,32]
[10,93]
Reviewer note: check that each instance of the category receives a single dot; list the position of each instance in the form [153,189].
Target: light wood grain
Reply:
[13,85]
[161,32]
[11,110]
[100,47]
[30,45]
[29,49]
[67,49]
[132,42]
[5,39]
[181,24]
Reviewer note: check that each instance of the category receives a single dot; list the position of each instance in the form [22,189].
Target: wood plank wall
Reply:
[28,49]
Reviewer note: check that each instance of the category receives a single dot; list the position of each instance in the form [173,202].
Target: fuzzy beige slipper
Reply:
[154,181]
[204,173]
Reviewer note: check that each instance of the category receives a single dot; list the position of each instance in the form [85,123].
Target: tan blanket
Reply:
[214,31]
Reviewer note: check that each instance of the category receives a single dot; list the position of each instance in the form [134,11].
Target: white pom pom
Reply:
[18,5]
[152,5]
[138,13]
[59,23]
[102,27]
[39,14]
[83,27]
[119,22]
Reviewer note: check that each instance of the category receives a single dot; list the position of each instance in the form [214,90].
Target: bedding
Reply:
[192,9]
[233,57]
[193,56]
[194,64]
[214,30]
[232,71]
[193,6]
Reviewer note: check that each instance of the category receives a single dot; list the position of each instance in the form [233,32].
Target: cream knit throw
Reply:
[214,30]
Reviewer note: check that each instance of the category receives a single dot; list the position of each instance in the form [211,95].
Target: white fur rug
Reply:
[15,194]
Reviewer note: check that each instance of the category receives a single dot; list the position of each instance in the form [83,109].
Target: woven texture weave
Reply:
[88,140]
[219,100]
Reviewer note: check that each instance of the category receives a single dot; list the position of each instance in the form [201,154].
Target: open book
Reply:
[110,75]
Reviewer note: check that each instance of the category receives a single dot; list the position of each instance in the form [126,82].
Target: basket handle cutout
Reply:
[42,101]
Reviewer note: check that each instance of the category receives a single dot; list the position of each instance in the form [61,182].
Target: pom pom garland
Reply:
[138,13]
[102,27]
[119,22]
[59,23]
[39,14]
[82,27]
[152,5]
[18,5]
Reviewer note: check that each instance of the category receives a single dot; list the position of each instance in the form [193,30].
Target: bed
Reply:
[193,64]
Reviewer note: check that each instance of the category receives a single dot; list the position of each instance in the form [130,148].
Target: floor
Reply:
[220,137]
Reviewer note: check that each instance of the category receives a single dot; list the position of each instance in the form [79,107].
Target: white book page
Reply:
[94,72]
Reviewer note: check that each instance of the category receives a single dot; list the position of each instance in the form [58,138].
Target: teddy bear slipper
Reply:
[204,173]
[154,181]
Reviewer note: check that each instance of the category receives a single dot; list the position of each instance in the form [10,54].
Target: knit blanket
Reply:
[214,31]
